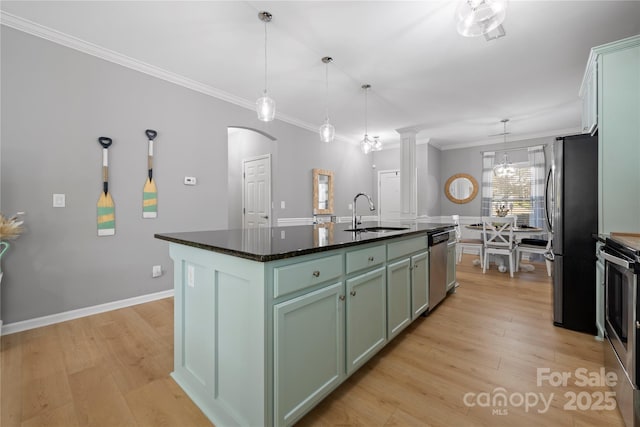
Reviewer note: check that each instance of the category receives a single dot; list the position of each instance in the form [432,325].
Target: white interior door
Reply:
[256,192]
[389,194]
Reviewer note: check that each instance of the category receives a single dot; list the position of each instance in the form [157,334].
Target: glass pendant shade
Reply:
[266,108]
[366,145]
[478,17]
[327,132]
[377,144]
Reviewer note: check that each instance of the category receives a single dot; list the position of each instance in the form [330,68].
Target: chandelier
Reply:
[505,169]
[479,17]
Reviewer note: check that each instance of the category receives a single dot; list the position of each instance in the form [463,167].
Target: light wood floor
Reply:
[112,369]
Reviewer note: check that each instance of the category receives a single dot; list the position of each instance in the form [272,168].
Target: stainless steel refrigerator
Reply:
[571,202]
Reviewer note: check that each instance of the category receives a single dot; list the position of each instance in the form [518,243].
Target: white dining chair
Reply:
[498,235]
[475,245]
[535,246]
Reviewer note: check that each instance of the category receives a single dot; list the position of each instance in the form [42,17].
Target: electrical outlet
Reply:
[282,205]
[190,180]
[156,271]
[350,206]
[191,276]
[59,200]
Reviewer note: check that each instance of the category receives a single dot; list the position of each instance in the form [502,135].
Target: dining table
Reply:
[521,232]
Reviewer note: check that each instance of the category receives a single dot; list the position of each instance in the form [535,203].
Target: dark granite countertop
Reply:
[270,244]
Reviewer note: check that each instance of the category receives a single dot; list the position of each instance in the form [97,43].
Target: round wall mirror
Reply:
[461,188]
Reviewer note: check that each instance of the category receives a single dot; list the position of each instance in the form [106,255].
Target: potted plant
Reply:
[10,229]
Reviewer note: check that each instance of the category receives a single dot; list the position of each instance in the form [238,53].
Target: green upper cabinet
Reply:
[619,135]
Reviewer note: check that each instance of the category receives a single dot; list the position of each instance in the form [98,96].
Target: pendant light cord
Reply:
[265,57]
[366,133]
[327,90]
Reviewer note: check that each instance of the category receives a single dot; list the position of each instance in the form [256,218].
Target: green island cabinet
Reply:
[261,343]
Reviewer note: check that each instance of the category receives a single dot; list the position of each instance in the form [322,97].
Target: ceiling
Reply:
[423,75]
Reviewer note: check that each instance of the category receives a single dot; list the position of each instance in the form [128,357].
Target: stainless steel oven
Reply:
[622,324]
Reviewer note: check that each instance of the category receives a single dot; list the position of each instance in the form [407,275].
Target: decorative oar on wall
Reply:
[106,207]
[150,192]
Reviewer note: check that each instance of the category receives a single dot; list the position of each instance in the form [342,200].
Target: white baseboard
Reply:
[38,322]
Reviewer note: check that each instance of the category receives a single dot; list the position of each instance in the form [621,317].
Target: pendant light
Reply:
[367,144]
[265,106]
[505,169]
[478,17]
[327,131]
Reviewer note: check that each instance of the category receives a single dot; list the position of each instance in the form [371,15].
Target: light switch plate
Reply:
[190,180]
[59,201]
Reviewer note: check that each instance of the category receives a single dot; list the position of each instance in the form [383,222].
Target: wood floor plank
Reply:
[98,400]
[492,334]
[161,403]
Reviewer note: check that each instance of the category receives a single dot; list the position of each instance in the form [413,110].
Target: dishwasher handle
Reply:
[438,238]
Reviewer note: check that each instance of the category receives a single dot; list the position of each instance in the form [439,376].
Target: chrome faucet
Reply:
[354,221]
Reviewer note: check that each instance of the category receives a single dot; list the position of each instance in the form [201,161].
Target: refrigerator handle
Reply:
[547,199]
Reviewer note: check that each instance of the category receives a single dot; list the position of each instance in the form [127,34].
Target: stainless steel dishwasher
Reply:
[437,268]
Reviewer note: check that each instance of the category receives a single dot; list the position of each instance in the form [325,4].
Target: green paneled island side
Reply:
[269,321]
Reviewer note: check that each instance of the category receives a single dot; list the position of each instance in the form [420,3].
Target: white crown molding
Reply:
[523,137]
[11,328]
[58,37]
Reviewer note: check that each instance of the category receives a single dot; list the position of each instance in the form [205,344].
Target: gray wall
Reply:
[428,175]
[469,160]
[55,103]
[244,144]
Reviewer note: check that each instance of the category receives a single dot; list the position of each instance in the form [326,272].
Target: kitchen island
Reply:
[269,321]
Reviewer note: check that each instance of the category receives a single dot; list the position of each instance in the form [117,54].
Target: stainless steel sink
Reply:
[376,229]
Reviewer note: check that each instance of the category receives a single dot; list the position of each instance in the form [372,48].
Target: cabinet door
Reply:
[398,296]
[308,351]
[419,284]
[451,266]
[366,317]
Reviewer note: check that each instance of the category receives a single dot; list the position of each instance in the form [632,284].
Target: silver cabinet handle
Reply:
[637,325]
[371,259]
[316,273]
[615,260]
[341,297]
[353,293]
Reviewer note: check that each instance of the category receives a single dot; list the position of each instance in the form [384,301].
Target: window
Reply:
[515,193]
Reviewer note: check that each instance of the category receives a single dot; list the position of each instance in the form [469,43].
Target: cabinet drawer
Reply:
[295,277]
[406,247]
[365,258]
